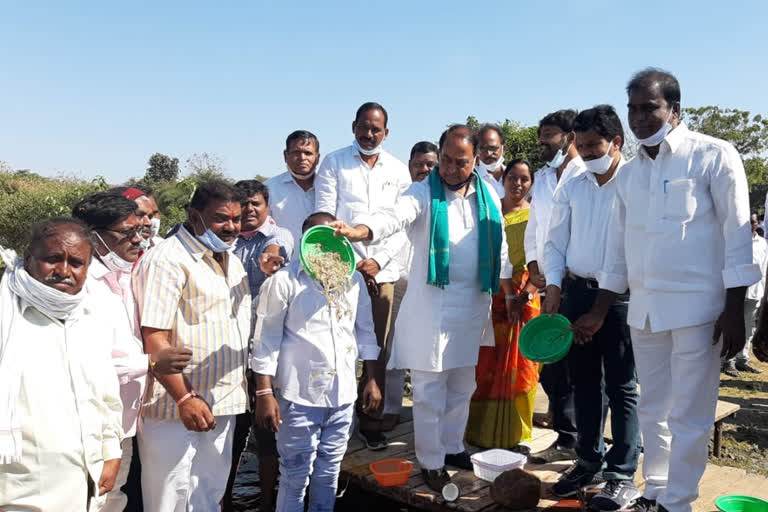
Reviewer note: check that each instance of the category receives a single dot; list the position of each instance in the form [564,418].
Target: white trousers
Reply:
[393,391]
[440,413]
[181,470]
[679,374]
[115,500]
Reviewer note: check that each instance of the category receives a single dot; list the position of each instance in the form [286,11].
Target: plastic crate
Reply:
[491,463]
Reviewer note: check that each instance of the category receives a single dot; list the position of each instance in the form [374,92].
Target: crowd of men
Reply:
[133,367]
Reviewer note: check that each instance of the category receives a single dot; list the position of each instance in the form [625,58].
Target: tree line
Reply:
[26,197]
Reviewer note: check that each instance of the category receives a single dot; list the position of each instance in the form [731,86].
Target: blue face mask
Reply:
[211,241]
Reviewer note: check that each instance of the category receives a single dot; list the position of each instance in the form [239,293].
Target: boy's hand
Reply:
[371,397]
[267,413]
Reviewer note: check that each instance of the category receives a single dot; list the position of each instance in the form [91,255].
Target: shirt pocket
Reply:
[320,377]
[679,200]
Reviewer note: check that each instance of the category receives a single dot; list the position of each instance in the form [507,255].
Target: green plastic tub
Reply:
[546,338]
[321,239]
[737,503]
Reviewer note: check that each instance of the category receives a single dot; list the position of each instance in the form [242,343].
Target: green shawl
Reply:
[489,247]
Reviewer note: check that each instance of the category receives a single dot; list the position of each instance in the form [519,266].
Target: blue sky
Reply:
[96,88]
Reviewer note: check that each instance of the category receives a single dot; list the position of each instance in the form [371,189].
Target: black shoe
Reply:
[730,370]
[574,480]
[746,367]
[553,454]
[374,440]
[459,460]
[643,504]
[435,478]
[522,449]
[616,495]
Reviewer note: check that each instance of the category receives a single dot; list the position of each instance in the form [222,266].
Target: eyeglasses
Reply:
[128,233]
[488,149]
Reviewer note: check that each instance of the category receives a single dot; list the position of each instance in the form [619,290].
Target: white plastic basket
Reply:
[491,463]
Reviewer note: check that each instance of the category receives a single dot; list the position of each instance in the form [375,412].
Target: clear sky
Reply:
[96,88]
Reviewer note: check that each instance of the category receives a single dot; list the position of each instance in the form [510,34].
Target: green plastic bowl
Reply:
[546,339]
[736,503]
[321,239]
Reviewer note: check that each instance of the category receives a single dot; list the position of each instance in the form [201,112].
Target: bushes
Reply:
[26,198]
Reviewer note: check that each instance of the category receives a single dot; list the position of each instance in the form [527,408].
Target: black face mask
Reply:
[458,186]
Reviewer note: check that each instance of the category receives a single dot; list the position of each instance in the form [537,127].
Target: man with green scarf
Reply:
[459,260]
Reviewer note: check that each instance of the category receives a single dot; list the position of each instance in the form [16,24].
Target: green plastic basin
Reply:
[546,339]
[321,239]
[737,503]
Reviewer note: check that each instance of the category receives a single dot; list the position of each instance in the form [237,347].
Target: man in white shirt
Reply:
[755,292]
[292,193]
[490,156]
[359,180]
[460,259]
[117,234]
[421,162]
[573,255]
[308,353]
[680,241]
[563,162]
[60,409]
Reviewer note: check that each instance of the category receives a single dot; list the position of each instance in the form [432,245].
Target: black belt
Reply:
[587,282]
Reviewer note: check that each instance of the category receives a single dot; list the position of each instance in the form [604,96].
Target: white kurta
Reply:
[439,329]
[70,409]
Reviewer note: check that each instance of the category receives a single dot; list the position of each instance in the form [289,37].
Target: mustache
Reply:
[55,279]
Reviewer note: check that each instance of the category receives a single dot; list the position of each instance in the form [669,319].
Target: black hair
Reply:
[423,147]
[302,135]
[316,216]
[118,190]
[371,105]
[648,77]
[471,136]
[563,119]
[100,210]
[515,162]
[490,126]
[603,119]
[47,228]
[214,190]
[253,187]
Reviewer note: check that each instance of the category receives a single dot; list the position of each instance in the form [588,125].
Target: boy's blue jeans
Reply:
[311,442]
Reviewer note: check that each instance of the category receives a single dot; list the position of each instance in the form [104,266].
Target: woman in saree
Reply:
[501,411]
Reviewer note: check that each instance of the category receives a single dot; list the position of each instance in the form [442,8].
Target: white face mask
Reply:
[112,261]
[300,177]
[602,164]
[490,168]
[559,157]
[155,227]
[367,152]
[658,137]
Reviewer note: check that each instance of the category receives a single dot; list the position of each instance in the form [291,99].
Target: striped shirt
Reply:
[180,287]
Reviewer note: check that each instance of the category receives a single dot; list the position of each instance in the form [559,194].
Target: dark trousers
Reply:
[555,378]
[605,362]
[132,487]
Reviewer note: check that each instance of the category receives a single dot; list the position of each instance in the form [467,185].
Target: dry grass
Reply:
[745,436]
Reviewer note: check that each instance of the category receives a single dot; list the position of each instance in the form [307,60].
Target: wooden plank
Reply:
[725,409]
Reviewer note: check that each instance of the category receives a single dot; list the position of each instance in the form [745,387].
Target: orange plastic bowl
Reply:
[391,472]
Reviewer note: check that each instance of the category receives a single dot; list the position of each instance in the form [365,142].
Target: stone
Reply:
[516,489]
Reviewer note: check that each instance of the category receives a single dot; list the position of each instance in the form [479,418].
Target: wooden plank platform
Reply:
[475,496]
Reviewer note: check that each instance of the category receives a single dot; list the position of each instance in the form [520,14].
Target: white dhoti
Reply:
[440,413]
[181,470]
[679,374]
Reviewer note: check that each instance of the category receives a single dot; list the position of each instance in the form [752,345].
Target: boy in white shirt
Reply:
[310,357]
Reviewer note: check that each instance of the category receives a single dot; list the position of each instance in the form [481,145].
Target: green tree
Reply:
[521,141]
[205,167]
[749,135]
[161,168]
